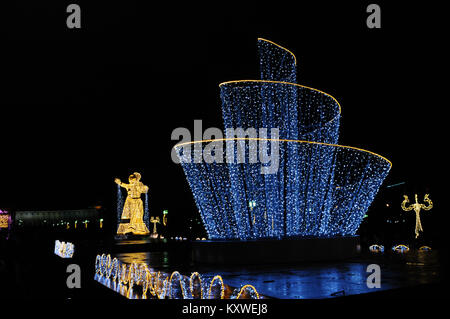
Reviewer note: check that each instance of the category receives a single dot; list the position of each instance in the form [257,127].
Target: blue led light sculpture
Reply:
[319,189]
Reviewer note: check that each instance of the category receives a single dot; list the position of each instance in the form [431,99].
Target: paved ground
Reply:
[315,280]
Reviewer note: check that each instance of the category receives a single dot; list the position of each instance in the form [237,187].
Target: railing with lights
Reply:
[124,278]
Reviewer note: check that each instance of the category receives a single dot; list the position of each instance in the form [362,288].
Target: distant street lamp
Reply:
[155,220]
[165,213]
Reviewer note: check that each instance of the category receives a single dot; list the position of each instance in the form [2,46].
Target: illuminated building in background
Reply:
[58,219]
[320,189]
[5,219]
[5,222]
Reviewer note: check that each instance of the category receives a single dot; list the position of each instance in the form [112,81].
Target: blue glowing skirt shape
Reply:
[314,187]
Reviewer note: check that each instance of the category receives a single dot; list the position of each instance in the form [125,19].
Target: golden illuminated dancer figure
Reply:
[133,209]
[417,207]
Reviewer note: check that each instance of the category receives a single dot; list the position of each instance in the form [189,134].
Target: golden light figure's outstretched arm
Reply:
[118,182]
[406,201]
[427,200]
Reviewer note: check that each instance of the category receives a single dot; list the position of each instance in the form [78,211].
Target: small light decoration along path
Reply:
[176,276]
[131,274]
[376,248]
[108,266]
[319,189]
[98,270]
[195,275]
[164,286]
[400,248]
[248,289]
[64,249]
[124,274]
[115,272]
[211,286]
[417,207]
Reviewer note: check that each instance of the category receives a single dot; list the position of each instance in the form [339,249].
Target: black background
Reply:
[82,106]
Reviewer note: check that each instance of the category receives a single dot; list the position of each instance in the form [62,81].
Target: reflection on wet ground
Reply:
[129,293]
[312,280]
[324,281]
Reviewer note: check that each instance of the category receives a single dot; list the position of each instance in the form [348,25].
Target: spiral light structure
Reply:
[320,188]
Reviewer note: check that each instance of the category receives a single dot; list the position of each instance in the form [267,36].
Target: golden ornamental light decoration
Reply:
[165,213]
[133,210]
[417,207]
[154,221]
[4,221]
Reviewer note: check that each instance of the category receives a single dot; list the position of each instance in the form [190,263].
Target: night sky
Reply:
[80,107]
